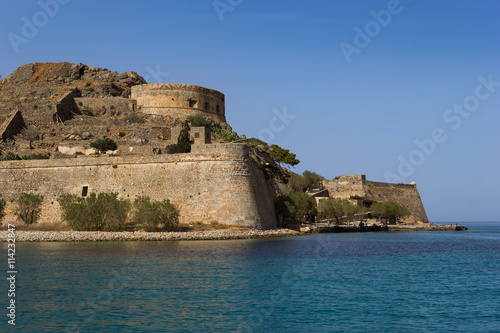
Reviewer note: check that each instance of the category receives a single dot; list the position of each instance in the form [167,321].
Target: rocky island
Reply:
[52,113]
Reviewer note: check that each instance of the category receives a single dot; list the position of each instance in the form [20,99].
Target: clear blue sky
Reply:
[404,75]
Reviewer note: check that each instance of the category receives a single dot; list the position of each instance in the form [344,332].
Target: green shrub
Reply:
[103,145]
[35,157]
[35,106]
[227,136]
[112,107]
[88,84]
[95,213]
[183,144]
[29,207]
[121,134]
[134,118]
[389,210]
[10,156]
[282,156]
[295,205]
[198,121]
[3,203]
[155,216]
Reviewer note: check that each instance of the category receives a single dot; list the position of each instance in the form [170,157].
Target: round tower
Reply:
[179,100]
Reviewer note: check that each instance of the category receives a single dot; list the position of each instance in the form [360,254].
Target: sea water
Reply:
[353,282]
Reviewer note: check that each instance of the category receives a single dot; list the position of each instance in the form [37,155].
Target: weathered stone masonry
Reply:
[217,182]
[179,100]
[357,185]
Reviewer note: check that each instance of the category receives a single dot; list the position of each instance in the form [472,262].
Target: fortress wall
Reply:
[98,105]
[345,186]
[179,100]
[214,183]
[403,194]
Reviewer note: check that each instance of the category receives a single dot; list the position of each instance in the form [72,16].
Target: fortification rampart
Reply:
[357,185]
[179,100]
[217,182]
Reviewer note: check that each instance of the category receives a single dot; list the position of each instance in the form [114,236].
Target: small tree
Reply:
[29,207]
[331,208]
[97,212]
[284,207]
[295,206]
[155,216]
[297,183]
[103,145]
[313,179]
[183,144]
[282,156]
[3,203]
[389,210]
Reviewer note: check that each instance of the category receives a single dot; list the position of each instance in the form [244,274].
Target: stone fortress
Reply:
[223,182]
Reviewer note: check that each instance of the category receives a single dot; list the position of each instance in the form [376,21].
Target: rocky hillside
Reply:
[35,89]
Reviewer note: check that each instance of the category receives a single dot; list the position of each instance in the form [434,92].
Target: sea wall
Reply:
[217,182]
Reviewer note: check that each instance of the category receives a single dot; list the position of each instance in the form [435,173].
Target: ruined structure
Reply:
[180,100]
[65,105]
[369,192]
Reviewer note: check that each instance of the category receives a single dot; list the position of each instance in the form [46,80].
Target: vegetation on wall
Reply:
[29,207]
[94,213]
[103,145]
[10,156]
[155,216]
[105,212]
[183,144]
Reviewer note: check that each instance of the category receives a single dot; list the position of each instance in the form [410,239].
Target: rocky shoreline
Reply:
[97,236]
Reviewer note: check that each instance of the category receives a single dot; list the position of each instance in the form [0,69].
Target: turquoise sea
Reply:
[355,282]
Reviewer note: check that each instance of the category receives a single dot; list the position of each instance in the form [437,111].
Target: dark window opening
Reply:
[207,106]
[85,191]
[217,108]
[196,135]
[192,103]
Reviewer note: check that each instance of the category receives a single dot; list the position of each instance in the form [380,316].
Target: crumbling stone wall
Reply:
[108,105]
[217,182]
[179,100]
[66,107]
[12,126]
[357,185]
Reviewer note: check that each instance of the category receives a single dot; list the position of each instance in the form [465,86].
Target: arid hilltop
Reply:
[101,107]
